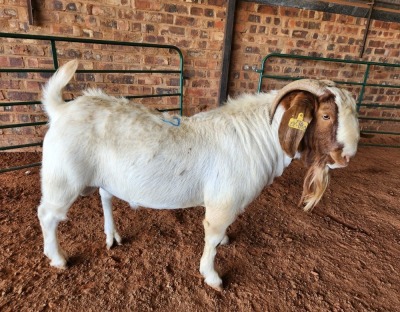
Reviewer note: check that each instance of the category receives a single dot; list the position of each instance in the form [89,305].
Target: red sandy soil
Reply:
[344,256]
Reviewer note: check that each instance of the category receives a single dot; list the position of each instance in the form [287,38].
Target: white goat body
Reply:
[219,159]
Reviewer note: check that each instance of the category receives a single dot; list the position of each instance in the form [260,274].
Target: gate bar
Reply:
[53,40]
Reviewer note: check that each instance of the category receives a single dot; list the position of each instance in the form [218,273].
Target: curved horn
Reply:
[316,87]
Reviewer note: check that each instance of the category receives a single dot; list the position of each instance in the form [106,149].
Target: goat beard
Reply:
[315,184]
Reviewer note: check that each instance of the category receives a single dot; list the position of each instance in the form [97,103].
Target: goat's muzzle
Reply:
[338,159]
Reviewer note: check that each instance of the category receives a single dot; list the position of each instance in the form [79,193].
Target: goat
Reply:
[220,159]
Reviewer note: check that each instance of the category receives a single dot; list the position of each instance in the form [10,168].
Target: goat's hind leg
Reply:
[225,240]
[109,225]
[53,209]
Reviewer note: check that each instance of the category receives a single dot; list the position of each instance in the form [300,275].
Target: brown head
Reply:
[320,126]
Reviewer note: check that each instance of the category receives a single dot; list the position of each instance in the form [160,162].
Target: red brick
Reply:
[221,14]
[379,51]
[146,5]
[196,11]
[22,96]
[286,11]
[219,25]
[209,12]
[4,61]
[299,34]
[197,92]
[217,2]
[177,30]
[167,18]
[254,18]
[16,61]
[201,83]
[270,10]
[174,8]
[185,21]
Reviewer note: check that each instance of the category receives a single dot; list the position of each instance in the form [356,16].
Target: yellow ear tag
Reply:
[298,123]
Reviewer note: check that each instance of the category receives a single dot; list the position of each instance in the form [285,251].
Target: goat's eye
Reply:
[326,117]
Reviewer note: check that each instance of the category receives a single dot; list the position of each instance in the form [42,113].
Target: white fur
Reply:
[219,159]
[346,121]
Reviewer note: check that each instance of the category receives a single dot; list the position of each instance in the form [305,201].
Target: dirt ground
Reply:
[344,256]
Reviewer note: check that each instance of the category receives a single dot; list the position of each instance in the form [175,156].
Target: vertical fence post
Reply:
[54,53]
[361,94]
[181,82]
[261,72]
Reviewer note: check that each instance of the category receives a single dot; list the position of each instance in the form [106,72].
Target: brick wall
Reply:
[197,28]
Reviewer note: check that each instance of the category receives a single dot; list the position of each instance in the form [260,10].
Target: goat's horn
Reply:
[316,87]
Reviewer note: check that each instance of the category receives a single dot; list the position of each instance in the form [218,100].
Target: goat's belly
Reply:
[152,179]
[154,205]
[160,196]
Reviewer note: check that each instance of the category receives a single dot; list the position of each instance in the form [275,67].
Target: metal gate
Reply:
[363,84]
[54,42]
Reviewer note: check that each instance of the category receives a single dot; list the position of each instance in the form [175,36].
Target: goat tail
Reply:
[315,184]
[52,91]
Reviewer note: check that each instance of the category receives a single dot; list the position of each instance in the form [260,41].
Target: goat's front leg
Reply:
[109,225]
[215,224]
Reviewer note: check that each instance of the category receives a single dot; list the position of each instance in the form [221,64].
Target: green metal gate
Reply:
[362,85]
[53,42]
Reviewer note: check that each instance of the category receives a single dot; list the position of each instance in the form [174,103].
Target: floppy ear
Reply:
[299,113]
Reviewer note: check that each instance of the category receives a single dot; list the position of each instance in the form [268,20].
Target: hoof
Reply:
[110,240]
[59,264]
[217,287]
[225,241]
[118,238]
[215,283]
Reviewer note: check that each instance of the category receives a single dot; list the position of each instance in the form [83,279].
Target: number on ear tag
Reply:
[298,123]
